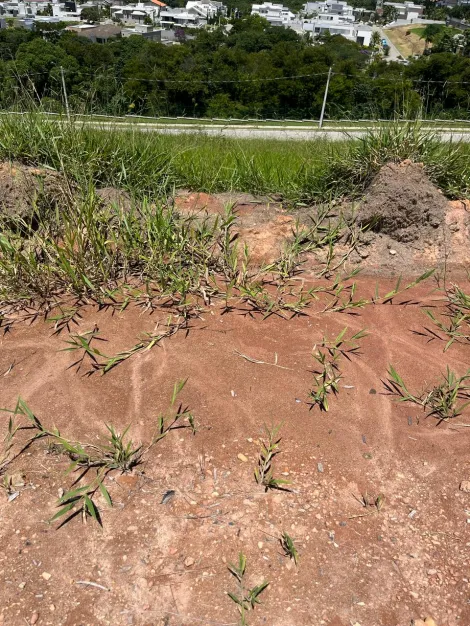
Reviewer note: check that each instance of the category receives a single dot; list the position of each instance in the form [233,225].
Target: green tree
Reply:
[390,14]
[466,43]
[253,70]
[10,41]
[431,34]
[375,40]
[90,14]
[446,43]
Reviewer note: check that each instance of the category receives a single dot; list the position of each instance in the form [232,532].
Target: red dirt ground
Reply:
[166,564]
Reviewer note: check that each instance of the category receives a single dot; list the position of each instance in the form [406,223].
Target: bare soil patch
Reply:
[263,224]
[166,563]
[182,516]
[408,42]
[411,225]
[115,198]
[403,203]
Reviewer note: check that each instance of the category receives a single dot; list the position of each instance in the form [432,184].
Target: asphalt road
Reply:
[394,53]
[273,132]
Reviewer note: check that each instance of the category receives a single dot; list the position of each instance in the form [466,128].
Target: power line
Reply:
[359,77]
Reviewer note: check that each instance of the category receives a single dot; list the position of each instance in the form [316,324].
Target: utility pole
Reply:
[67,110]
[320,124]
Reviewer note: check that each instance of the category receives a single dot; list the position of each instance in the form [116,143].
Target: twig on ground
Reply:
[90,583]
[252,360]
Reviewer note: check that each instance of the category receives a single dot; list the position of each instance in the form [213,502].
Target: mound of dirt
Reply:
[26,191]
[403,203]
[262,224]
[115,198]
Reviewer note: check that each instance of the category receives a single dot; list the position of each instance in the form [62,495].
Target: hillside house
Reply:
[330,7]
[143,30]
[276,14]
[137,13]
[407,10]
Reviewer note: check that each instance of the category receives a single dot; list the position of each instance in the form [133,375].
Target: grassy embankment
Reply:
[84,247]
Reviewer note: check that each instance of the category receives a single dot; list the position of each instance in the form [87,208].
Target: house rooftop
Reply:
[100,31]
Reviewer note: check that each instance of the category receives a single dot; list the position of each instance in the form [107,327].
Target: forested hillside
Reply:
[255,70]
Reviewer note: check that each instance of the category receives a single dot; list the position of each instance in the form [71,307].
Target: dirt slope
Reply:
[378,503]
[167,563]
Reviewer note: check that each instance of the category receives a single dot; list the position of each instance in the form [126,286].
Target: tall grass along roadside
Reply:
[153,163]
[446,163]
[149,163]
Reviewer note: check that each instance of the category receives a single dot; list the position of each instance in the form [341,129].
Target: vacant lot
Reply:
[407,39]
[233,409]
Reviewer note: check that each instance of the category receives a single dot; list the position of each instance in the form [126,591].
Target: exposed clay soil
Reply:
[412,225]
[262,223]
[408,561]
[166,564]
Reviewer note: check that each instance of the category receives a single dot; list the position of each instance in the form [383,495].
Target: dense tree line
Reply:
[244,73]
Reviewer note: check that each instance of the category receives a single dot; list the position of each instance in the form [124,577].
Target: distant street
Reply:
[394,53]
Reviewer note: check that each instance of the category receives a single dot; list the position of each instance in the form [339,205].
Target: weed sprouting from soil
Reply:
[118,453]
[177,416]
[288,545]
[246,598]
[269,449]
[82,343]
[339,303]
[101,363]
[398,289]
[146,343]
[454,323]
[445,400]
[346,346]
[372,504]
[328,375]
[65,317]
[343,295]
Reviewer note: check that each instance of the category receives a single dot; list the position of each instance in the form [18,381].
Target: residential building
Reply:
[206,9]
[195,14]
[276,14]
[169,18]
[360,33]
[363,34]
[25,10]
[330,7]
[143,30]
[407,10]
[98,33]
[136,13]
